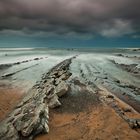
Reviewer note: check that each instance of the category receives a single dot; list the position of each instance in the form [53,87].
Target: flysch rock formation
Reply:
[131,68]
[30,116]
[10,74]
[4,66]
[109,89]
[92,84]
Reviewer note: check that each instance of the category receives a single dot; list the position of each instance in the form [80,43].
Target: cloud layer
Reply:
[108,18]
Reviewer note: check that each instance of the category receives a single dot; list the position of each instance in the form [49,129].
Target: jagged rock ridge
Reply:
[31,115]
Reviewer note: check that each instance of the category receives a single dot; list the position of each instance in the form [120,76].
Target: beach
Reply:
[70,94]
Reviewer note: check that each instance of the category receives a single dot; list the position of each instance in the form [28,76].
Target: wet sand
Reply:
[77,120]
[83,115]
[9,97]
[98,123]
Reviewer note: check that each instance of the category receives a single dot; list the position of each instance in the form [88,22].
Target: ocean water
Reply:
[27,74]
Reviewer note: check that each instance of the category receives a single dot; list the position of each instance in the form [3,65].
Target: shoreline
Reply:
[70,91]
[9,98]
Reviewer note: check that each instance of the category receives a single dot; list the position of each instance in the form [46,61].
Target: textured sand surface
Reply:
[9,97]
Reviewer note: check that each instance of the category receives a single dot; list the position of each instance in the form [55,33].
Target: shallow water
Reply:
[95,63]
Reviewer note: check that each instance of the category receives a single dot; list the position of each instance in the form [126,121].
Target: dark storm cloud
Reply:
[104,17]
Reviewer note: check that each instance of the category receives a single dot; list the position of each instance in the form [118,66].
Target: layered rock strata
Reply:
[30,117]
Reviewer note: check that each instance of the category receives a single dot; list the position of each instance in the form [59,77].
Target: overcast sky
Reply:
[69,19]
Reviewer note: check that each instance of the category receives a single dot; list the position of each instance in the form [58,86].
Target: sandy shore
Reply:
[98,123]
[83,97]
[85,117]
[9,97]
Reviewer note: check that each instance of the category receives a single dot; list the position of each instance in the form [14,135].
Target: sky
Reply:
[69,23]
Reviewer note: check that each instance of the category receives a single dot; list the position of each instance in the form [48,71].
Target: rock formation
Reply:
[30,117]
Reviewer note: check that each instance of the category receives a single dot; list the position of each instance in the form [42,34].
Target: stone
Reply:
[11,134]
[36,58]
[46,130]
[134,123]
[54,102]
[110,96]
[61,89]
[50,81]
[3,130]
[117,81]
[27,131]
[119,54]
[31,115]
[57,81]
[49,90]
[18,123]
[127,109]
[65,76]
[61,72]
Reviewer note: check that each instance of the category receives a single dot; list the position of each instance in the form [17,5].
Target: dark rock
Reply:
[105,77]
[119,54]
[110,96]
[36,58]
[124,93]
[134,123]
[127,109]
[117,81]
